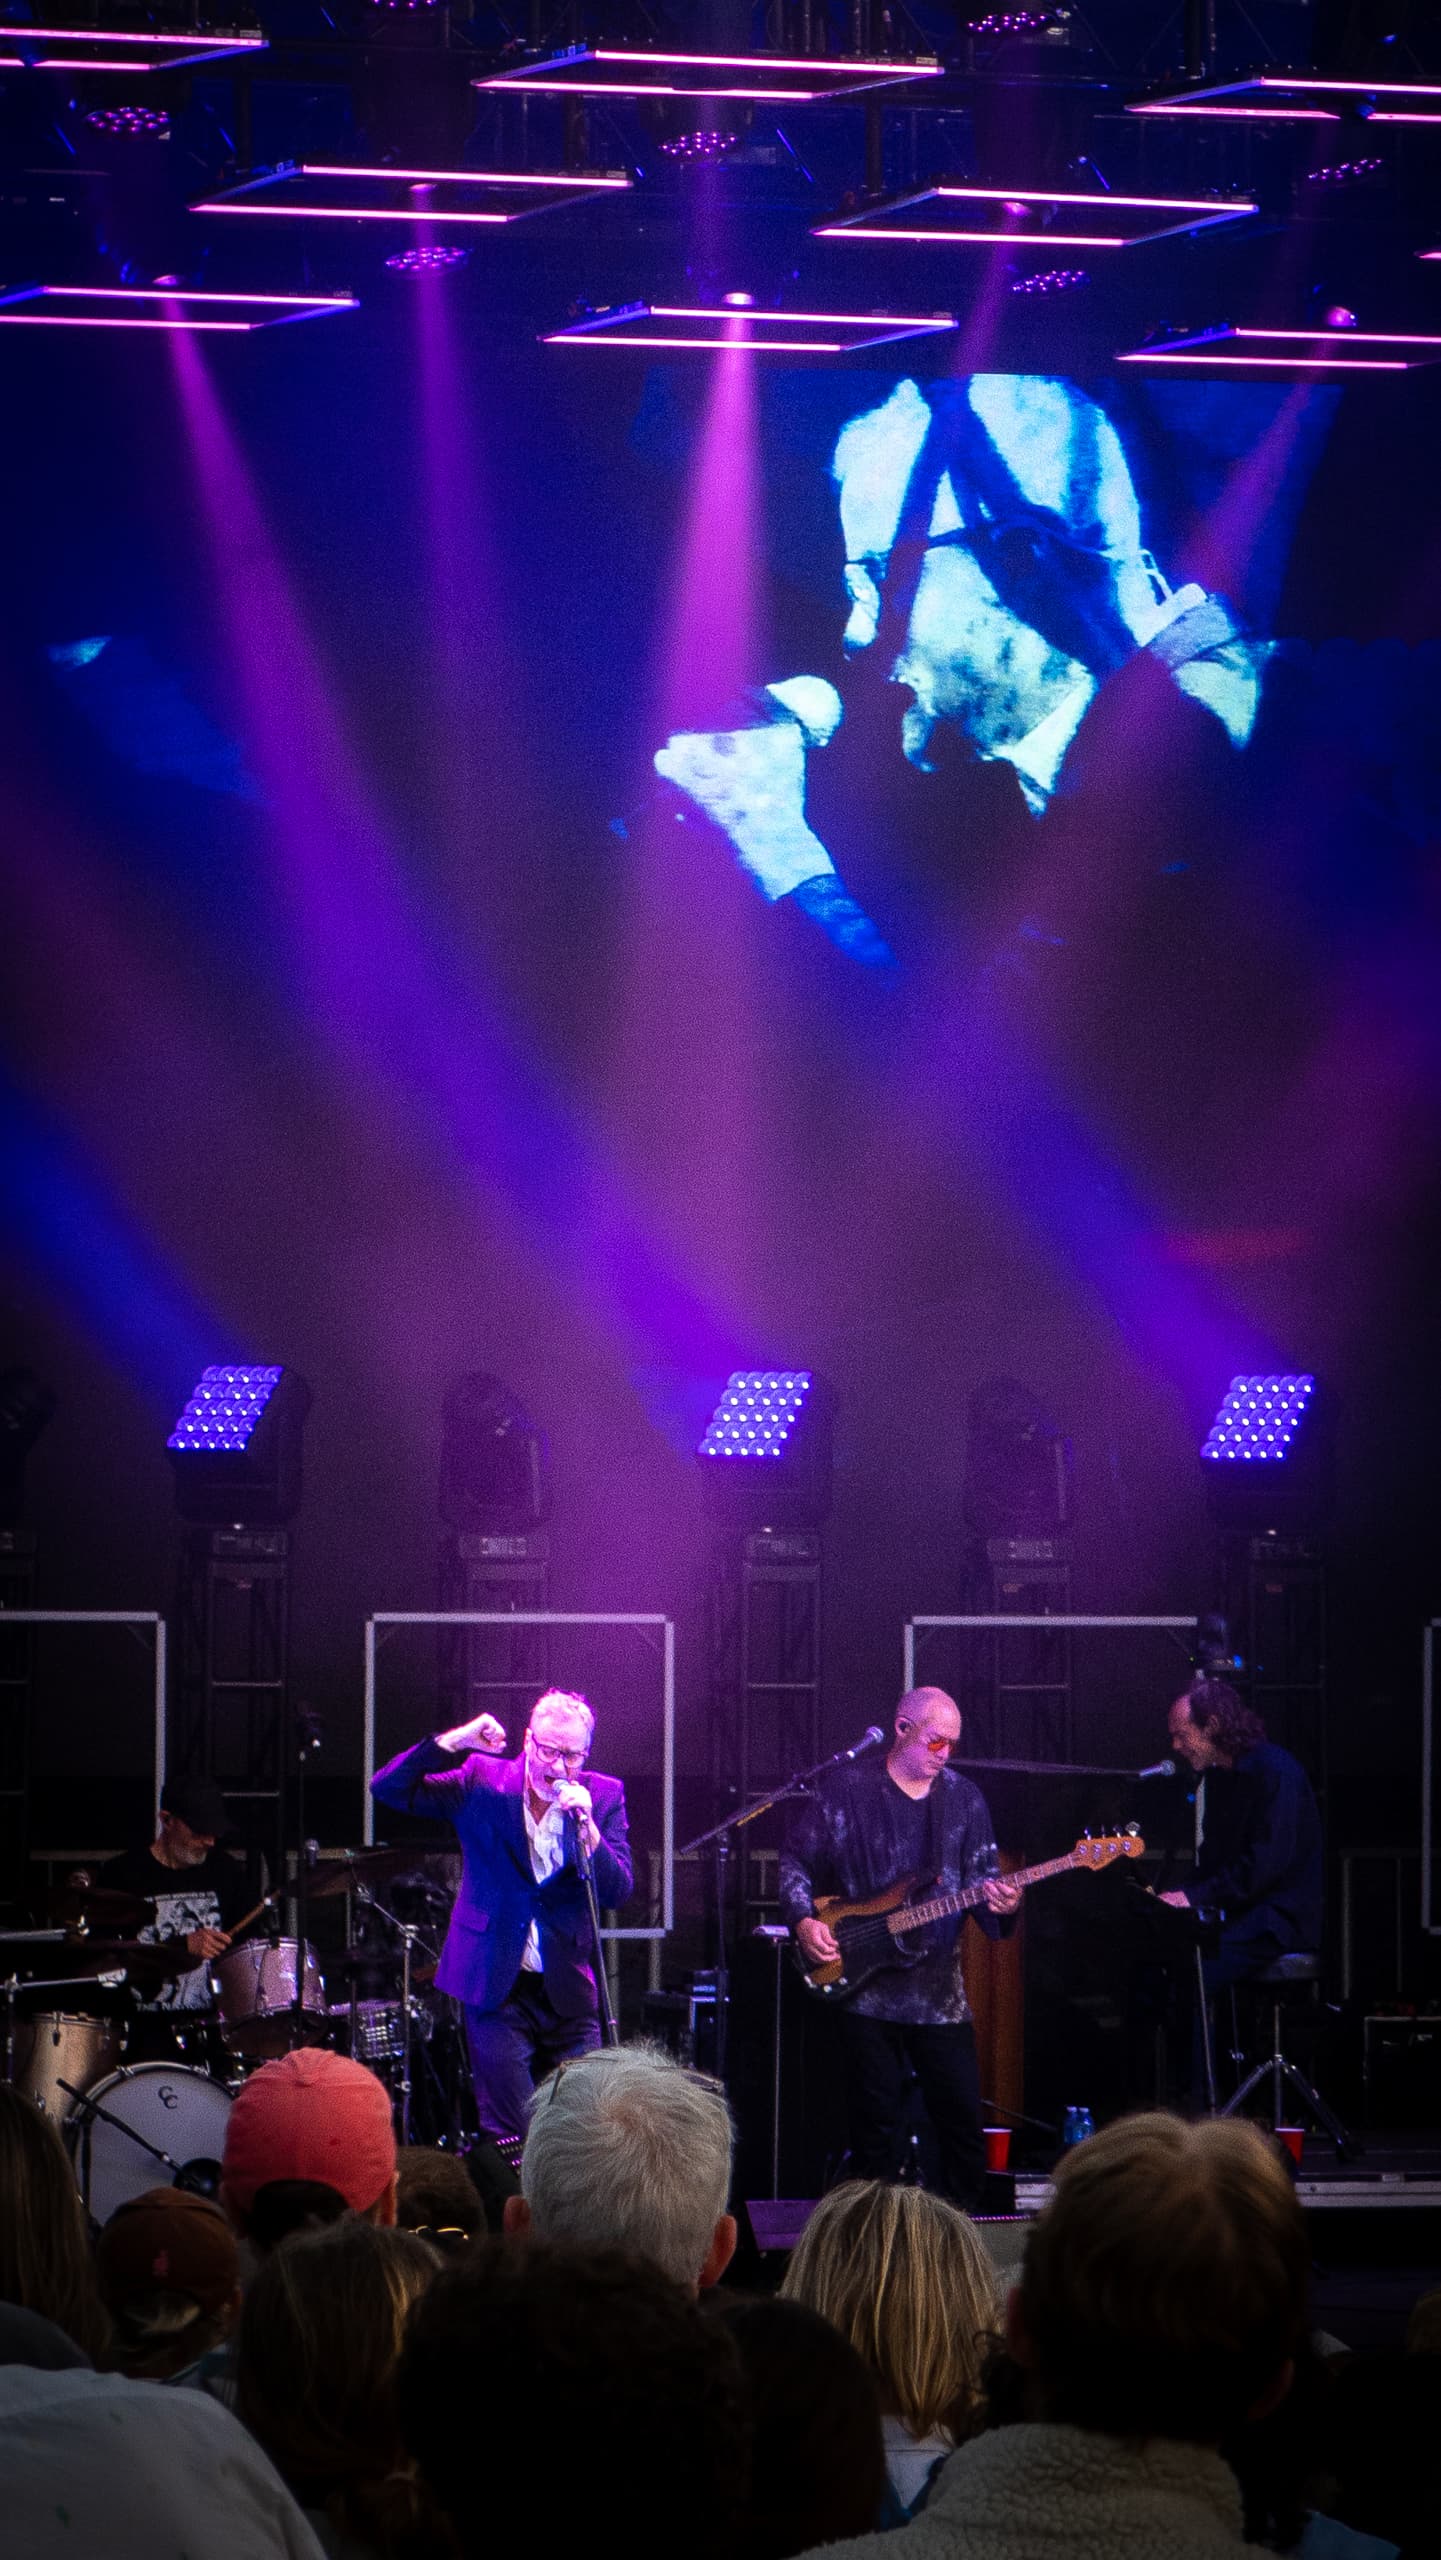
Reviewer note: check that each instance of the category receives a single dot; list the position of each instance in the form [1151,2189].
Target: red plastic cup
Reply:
[1293,2135]
[998,2146]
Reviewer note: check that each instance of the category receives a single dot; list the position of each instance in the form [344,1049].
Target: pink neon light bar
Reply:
[253,197]
[631,325]
[967,239]
[1281,95]
[769,78]
[707,346]
[169,50]
[1224,346]
[16,309]
[1187,213]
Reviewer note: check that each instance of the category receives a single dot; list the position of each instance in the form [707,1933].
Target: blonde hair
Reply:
[907,2279]
[1165,2284]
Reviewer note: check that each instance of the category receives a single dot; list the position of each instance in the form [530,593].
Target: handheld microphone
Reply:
[1158,1769]
[574,1805]
[873,1734]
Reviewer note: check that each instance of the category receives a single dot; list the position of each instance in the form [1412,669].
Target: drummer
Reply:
[198,1894]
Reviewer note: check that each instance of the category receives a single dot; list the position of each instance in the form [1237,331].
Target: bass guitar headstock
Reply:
[1104,1850]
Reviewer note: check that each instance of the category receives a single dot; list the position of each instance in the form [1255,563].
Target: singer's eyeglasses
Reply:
[551,1752]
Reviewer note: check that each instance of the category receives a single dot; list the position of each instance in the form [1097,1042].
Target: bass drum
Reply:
[153,2108]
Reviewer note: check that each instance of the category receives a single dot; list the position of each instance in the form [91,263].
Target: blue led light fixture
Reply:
[236,1445]
[765,1454]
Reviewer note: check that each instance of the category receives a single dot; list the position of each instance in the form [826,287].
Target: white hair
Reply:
[628,2150]
[564,1702]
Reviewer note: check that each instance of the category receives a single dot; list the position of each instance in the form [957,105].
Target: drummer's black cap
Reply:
[198,1802]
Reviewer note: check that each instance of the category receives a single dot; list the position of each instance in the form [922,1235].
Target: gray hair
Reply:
[563,1702]
[628,2150]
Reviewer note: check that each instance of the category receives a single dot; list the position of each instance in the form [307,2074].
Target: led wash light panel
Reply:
[224,1408]
[705,329]
[66,48]
[329,191]
[97,306]
[1294,97]
[775,79]
[950,214]
[1297,351]
[1258,1420]
[757,1413]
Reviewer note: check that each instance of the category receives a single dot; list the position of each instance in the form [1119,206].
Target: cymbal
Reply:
[85,1905]
[362,1866]
[156,1959]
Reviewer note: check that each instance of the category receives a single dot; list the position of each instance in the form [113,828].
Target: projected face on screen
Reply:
[995,561]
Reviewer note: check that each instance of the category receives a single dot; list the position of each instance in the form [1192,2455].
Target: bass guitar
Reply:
[869,1933]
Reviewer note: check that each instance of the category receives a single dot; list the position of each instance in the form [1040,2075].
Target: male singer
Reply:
[518,1949]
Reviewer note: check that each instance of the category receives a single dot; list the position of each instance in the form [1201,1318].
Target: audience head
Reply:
[818,2464]
[1423,2329]
[319,2337]
[313,2119]
[45,2260]
[906,2277]
[1164,2287]
[436,2196]
[627,2150]
[170,2276]
[590,2357]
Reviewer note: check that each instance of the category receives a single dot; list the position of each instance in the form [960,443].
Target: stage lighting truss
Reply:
[1258,1420]
[102,306]
[1298,351]
[767,79]
[1296,97]
[951,214]
[329,191]
[757,1414]
[706,329]
[87,49]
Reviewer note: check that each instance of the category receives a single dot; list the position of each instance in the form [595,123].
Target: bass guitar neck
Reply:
[868,1934]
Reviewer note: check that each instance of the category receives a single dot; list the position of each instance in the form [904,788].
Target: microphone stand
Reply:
[609,2030]
[718,1838]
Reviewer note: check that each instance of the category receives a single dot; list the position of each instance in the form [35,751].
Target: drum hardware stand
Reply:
[410,1936]
[307,1735]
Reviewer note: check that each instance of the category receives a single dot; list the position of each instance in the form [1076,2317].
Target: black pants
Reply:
[518,2044]
[879,2055]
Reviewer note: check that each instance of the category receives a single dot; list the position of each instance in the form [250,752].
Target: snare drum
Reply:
[257,1998]
[155,2108]
[51,2048]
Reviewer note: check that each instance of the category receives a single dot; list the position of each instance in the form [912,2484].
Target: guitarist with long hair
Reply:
[870,1823]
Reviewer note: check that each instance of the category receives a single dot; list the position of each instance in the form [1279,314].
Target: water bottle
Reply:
[1076,2126]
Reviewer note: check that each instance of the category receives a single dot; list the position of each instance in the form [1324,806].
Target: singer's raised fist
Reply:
[481,1734]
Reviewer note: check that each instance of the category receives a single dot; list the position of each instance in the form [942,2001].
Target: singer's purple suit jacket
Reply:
[499,1897]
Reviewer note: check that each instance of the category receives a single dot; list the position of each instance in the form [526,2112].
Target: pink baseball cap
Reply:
[311,2114]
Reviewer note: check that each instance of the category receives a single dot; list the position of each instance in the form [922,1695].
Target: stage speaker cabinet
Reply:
[1402,2071]
[684,2021]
